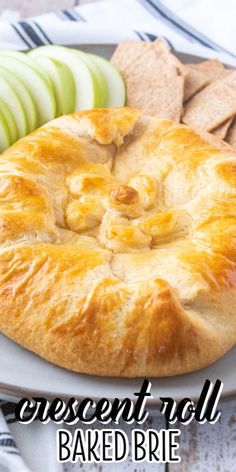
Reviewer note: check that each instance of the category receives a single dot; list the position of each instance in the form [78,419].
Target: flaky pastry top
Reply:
[118,244]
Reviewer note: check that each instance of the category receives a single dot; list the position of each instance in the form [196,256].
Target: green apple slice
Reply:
[62,80]
[8,95]
[100,82]
[24,97]
[20,56]
[85,83]
[36,84]
[9,120]
[115,83]
[5,140]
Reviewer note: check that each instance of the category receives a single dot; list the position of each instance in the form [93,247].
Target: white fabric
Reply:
[214,18]
[112,20]
[37,445]
[10,461]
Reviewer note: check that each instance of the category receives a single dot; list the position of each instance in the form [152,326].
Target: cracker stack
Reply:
[201,95]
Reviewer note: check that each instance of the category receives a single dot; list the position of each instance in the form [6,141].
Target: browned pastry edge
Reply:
[71,299]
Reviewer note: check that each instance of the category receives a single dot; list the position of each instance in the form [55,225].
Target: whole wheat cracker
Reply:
[162,48]
[230,79]
[202,74]
[195,80]
[151,72]
[231,135]
[147,63]
[154,82]
[211,107]
[221,131]
[126,52]
[211,64]
[155,98]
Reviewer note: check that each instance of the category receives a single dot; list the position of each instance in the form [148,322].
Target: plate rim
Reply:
[18,393]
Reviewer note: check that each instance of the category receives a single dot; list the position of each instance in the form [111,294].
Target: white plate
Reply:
[22,373]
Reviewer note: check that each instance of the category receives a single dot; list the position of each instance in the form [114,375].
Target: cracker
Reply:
[231,135]
[154,83]
[221,131]
[202,74]
[211,107]
[210,64]
[126,52]
[147,64]
[230,79]
[131,55]
[155,97]
[212,69]
[156,55]
[195,81]
[162,48]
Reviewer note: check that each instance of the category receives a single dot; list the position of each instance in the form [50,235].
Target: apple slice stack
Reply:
[51,81]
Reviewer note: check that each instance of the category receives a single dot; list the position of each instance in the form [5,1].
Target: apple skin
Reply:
[21,56]
[101,89]
[62,81]
[115,83]
[36,84]
[51,81]
[85,82]
[24,97]
[9,121]
[5,138]
[8,95]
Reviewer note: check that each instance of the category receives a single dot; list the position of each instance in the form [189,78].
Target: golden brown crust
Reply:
[118,252]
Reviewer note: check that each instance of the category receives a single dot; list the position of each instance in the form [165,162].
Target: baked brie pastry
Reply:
[118,244]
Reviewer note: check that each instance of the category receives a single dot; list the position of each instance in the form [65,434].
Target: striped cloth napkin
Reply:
[10,458]
[185,24]
[34,442]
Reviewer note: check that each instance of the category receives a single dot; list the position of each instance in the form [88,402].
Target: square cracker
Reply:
[221,131]
[211,107]
[154,82]
[231,135]
[155,97]
[162,48]
[211,65]
[155,54]
[195,81]
[202,74]
[230,79]
[212,69]
[126,52]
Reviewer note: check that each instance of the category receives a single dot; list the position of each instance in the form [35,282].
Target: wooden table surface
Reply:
[203,448]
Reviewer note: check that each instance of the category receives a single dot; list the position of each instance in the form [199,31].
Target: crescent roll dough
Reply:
[118,244]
